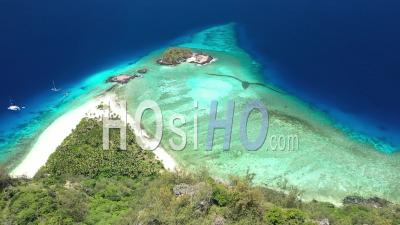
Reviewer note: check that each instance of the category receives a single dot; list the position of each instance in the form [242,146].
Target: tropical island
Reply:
[67,178]
[175,56]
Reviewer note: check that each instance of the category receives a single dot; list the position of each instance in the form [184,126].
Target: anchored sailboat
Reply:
[14,107]
[54,88]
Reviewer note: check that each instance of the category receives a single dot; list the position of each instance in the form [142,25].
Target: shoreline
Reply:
[53,136]
[161,154]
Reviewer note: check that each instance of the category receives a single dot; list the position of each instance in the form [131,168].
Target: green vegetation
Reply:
[174,56]
[82,154]
[83,184]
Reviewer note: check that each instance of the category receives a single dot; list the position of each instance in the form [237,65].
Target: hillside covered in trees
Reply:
[83,184]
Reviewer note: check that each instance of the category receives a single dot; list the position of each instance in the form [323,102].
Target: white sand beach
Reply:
[54,135]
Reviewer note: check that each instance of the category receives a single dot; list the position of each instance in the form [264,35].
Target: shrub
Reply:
[5,179]
[246,200]
[295,217]
[221,195]
[72,204]
[277,216]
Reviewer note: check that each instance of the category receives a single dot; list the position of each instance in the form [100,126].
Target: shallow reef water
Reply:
[325,162]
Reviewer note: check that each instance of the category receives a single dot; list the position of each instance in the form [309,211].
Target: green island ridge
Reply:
[83,184]
[174,56]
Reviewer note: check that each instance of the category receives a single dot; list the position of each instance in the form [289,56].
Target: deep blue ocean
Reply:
[341,56]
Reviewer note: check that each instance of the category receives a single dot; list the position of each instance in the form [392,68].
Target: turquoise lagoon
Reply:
[329,163]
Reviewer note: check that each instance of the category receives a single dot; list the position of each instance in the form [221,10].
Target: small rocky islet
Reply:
[125,78]
[176,56]
[171,57]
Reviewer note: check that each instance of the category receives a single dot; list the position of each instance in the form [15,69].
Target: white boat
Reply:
[54,88]
[14,108]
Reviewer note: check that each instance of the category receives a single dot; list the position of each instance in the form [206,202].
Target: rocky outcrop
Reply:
[200,58]
[200,194]
[121,79]
[202,206]
[323,222]
[142,71]
[374,202]
[219,220]
[175,56]
[184,189]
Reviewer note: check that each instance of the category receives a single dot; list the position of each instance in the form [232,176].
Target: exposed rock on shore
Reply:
[142,71]
[121,79]
[374,202]
[125,78]
[200,58]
